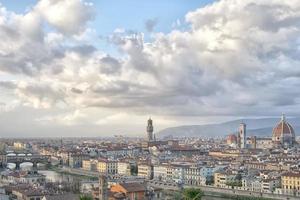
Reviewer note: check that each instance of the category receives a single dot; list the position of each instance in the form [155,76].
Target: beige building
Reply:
[145,170]
[192,175]
[89,164]
[269,185]
[86,164]
[220,179]
[124,168]
[27,193]
[160,172]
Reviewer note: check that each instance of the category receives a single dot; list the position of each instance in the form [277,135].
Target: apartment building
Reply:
[107,166]
[145,170]
[290,183]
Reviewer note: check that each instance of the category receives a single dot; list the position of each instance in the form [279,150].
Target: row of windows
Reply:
[291,187]
[291,182]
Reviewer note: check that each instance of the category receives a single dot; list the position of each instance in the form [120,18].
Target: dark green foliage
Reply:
[192,194]
[235,184]
[86,197]
[133,170]
[210,180]
[237,181]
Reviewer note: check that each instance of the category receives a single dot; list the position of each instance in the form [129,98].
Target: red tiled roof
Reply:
[134,187]
[283,128]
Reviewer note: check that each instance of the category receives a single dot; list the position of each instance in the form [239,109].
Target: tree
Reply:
[86,197]
[209,180]
[176,195]
[192,194]
[133,170]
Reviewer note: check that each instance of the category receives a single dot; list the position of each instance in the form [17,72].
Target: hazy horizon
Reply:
[95,132]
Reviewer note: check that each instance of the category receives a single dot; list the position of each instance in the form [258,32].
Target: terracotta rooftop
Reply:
[283,128]
[291,174]
[62,197]
[134,187]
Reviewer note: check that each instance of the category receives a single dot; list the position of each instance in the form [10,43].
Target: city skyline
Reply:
[97,68]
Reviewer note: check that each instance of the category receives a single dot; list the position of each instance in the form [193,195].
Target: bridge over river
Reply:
[18,159]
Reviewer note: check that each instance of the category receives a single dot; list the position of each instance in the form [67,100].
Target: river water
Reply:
[51,176]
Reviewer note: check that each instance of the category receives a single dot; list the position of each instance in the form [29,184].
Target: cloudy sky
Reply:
[98,68]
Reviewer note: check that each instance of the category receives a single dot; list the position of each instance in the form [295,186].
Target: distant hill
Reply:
[258,127]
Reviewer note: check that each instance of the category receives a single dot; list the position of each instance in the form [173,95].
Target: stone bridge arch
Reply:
[34,159]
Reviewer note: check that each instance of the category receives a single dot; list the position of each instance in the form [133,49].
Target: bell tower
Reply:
[150,130]
[242,136]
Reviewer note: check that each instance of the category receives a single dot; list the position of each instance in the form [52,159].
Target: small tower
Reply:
[253,142]
[242,136]
[150,130]
[238,140]
[61,143]
[283,118]
[102,187]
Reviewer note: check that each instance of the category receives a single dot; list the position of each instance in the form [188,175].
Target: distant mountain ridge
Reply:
[260,127]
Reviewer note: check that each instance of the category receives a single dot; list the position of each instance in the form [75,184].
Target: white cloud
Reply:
[67,16]
[72,118]
[4,107]
[237,58]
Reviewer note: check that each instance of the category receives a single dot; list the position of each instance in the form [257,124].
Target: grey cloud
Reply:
[84,50]
[28,59]
[41,95]
[110,65]
[272,17]
[76,90]
[150,24]
[8,33]
[120,38]
[8,84]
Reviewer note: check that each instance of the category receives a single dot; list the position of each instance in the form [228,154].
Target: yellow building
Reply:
[102,166]
[107,166]
[290,183]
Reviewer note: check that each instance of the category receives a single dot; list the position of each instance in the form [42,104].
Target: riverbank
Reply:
[70,173]
[232,197]
[243,194]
